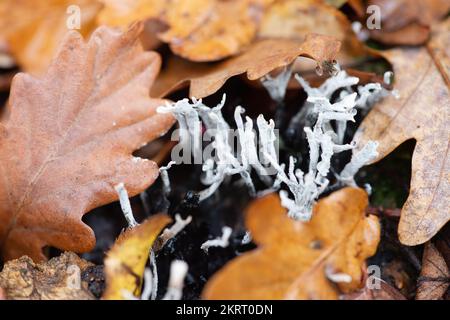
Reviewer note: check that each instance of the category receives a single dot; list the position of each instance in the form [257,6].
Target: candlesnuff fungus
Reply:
[325,139]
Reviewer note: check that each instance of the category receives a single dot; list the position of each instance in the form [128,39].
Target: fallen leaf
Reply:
[384,292]
[230,26]
[422,116]
[122,13]
[260,58]
[125,262]
[434,278]
[396,272]
[402,19]
[295,259]
[294,19]
[68,138]
[413,34]
[57,279]
[34,29]
[397,14]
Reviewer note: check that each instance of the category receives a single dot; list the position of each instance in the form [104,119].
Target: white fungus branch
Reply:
[148,284]
[154,271]
[165,177]
[222,241]
[125,204]
[337,277]
[247,238]
[178,271]
[171,232]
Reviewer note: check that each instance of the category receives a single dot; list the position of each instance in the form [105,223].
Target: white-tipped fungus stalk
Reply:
[222,241]
[125,205]
[172,232]
[276,86]
[325,133]
[247,238]
[178,271]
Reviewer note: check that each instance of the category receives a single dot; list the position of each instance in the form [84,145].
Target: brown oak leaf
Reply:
[294,19]
[405,22]
[434,277]
[125,261]
[34,29]
[57,279]
[318,259]
[181,17]
[439,48]
[422,113]
[68,138]
[259,58]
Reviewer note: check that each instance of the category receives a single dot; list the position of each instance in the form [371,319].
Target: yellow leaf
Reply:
[125,262]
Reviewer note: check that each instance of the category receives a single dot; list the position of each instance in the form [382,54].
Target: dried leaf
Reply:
[259,59]
[200,30]
[34,29]
[419,115]
[294,258]
[439,48]
[230,26]
[294,19]
[125,262]
[58,279]
[402,19]
[442,243]
[434,277]
[68,139]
